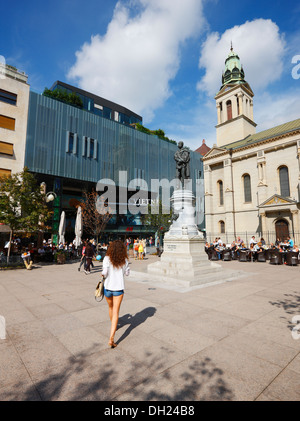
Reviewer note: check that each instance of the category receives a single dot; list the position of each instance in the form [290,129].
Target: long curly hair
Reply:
[117,253]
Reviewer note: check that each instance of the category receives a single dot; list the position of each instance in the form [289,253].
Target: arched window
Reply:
[221,193]
[282,229]
[238,105]
[284,181]
[229,110]
[247,188]
[222,227]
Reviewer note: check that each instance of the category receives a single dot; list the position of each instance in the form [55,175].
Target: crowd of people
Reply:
[218,247]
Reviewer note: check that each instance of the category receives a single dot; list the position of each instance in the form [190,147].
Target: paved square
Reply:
[229,341]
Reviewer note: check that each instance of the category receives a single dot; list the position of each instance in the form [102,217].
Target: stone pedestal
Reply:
[184,261]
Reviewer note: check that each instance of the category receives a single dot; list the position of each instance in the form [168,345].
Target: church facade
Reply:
[251,179]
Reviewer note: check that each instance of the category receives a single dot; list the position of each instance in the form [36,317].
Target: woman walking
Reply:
[115,266]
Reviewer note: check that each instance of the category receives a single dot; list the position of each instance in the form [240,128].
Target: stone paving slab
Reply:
[226,341]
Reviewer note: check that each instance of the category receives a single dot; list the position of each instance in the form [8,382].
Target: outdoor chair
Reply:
[214,255]
[261,256]
[268,254]
[292,258]
[276,258]
[243,256]
[226,255]
[235,255]
[209,252]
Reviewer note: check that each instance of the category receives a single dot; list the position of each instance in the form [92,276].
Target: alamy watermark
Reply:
[296,329]
[296,69]
[2,328]
[136,197]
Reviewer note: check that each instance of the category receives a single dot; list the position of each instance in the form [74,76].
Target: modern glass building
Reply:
[71,149]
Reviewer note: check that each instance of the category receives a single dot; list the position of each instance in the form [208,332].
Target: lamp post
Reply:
[49,197]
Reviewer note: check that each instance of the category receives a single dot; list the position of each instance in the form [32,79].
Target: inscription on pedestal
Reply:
[171,247]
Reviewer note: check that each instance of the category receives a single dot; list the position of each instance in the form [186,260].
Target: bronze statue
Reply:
[182,158]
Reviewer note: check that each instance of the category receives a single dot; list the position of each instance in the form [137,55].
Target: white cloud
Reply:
[133,63]
[277,108]
[261,49]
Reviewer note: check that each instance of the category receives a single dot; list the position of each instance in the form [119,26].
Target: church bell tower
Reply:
[234,103]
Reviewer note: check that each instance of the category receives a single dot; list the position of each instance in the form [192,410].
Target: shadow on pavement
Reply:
[291,305]
[85,378]
[134,321]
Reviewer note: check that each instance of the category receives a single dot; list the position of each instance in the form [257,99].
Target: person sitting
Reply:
[253,252]
[263,243]
[220,249]
[290,242]
[282,250]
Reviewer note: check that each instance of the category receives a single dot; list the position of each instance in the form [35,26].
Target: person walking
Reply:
[89,254]
[82,260]
[115,266]
[141,250]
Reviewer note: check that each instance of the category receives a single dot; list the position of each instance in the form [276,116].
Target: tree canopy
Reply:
[22,203]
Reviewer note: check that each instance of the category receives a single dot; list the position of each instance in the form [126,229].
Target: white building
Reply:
[14,99]
[251,179]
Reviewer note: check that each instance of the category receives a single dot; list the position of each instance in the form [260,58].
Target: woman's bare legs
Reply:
[114,304]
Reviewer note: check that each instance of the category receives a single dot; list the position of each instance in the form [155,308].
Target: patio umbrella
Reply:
[78,227]
[62,228]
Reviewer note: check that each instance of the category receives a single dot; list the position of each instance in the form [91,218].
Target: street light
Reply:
[50,196]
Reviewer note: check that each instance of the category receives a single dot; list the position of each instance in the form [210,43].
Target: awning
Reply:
[4,228]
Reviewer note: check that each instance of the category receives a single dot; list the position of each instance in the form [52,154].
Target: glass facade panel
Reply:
[118,147]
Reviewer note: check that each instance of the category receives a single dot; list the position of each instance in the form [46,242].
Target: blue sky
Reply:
[163,59]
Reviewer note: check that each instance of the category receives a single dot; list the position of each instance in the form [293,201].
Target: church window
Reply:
[247,188]
[221,193]
[284,181]
[229,110]
[222,227]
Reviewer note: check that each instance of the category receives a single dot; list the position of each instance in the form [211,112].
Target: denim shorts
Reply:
[108,293]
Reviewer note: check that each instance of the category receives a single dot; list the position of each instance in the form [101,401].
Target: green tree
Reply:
[159,218]
[62,95]
[22,203]
[95,214]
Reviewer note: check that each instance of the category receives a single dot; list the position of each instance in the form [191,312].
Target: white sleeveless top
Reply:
[114,276]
